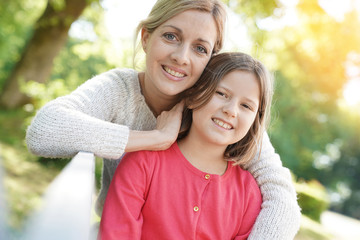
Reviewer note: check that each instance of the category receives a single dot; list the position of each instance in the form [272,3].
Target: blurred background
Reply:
[49,47]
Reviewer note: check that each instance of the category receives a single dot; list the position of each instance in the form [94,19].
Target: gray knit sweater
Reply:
[96,118]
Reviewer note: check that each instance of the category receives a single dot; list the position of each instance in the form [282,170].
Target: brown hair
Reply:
[163,10]
[200,94]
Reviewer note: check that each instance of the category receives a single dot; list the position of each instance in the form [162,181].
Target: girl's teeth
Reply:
[222,124]
[172,72]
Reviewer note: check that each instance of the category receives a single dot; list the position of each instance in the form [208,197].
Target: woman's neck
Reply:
[156,102]
[204,157]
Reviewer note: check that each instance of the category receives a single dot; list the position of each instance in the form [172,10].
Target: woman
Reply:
[123,110]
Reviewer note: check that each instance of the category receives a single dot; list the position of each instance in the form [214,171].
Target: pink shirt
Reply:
[159,195]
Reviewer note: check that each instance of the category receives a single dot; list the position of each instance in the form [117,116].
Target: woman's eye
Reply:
[201,49]
[169,36]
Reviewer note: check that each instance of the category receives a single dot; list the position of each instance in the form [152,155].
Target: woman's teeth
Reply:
[173,73]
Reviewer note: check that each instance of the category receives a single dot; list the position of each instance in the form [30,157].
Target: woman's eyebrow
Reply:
[179,30]
[172,26]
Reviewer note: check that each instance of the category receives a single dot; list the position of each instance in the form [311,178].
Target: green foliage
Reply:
[17,18]
[80,60]
[312,199]
[252,11]
[58,5]
[43,93]
[314,134]
[343,174]
[296,124]
[12,127]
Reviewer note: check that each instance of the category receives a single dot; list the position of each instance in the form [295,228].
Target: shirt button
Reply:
[207,176]
[196,209]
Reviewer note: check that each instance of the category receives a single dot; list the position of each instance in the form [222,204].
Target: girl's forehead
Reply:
[241,83]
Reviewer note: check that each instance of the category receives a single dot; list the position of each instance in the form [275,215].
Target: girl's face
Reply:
[231,111]
[178,51]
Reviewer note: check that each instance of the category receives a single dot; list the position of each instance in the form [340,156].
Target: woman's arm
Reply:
[97,118]
[80,121]
[280,215]
[76,122]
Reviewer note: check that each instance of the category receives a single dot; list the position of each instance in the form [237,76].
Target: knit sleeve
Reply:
[280,215]
[81,121]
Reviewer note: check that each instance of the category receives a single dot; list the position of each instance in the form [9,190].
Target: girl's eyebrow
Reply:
[251,101]
[179,30]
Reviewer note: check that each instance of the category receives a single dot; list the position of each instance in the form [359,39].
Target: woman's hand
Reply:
[167,128]
[168,124]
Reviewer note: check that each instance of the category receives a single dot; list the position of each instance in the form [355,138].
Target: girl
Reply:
[196,189]
[123,110]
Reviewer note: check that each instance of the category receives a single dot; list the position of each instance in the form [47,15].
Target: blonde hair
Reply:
[197,96]
[163,10]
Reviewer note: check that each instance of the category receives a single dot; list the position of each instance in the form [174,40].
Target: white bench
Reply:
[66,210]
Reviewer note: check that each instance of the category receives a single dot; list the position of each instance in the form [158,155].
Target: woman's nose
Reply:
[181,55]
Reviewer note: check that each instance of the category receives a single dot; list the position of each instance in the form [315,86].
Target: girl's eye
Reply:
[169,36]
[201,49]
[221,94]
[247,106]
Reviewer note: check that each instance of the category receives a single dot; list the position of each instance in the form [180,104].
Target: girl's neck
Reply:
[156,102]
[204,157]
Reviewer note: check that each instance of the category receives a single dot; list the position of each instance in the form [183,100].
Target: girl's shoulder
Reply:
[244,176]
[152,158]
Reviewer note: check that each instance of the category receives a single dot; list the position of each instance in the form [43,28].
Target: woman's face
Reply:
[231,111]
[177,52]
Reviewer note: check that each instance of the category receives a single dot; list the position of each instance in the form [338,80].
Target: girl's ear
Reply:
[145,35]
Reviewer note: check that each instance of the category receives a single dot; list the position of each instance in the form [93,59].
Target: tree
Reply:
[50,35]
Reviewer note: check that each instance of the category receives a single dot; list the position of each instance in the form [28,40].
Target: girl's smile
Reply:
[222,124]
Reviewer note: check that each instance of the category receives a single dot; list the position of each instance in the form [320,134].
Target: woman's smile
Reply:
[175,73]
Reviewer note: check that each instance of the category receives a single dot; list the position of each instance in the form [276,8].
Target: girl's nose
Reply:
[230,108]
[181,55]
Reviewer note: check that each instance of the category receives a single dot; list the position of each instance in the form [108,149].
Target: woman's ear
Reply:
[145,35]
